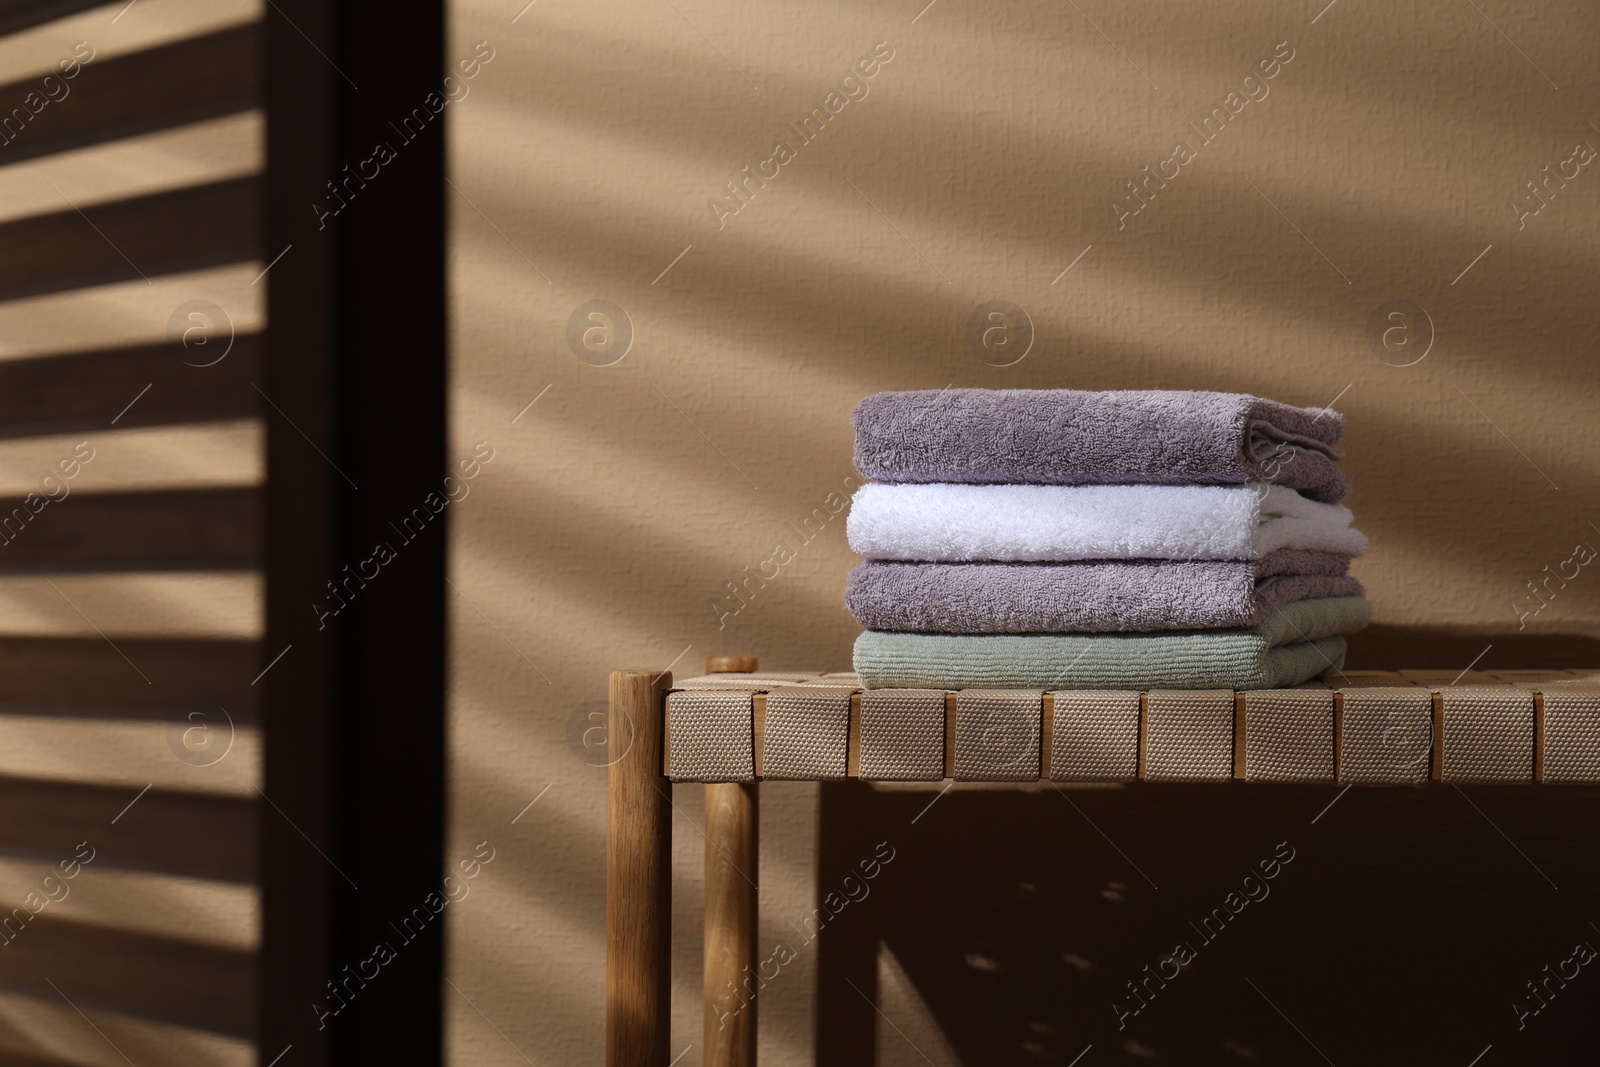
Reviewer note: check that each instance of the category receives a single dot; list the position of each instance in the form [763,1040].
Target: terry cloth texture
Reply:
[1089,596]
[1296,643]
[1053,523]
[1073,437]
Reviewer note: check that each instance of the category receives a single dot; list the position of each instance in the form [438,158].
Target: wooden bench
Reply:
[734,727]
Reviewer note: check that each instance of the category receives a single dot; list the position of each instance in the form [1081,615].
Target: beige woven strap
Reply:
[710,738]
[902,734]
[807,734]
[846,681]
[1444,679]
[1188,735]
[1571,735]
[1487,735]
[1094,736]
[1368,679]
[1289,735]
[758,682]
[1530,679]
[997,734]
[1386,736]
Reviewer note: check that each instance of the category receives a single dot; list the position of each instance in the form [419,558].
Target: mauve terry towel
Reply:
[1294,644]
[1073,437]
[1091,596]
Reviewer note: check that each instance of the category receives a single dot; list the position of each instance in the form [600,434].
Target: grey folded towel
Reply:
[1296,643]
[1094,596]
[1073,437]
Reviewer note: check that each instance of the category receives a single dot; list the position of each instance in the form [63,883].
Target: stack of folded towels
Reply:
[1061,539]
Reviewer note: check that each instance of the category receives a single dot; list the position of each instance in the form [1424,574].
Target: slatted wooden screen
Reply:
[349,717]
[57,958]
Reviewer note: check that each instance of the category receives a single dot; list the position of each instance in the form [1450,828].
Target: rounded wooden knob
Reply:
[730,664]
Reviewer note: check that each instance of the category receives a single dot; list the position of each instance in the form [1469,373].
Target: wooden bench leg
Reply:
[732,979]
[638,875]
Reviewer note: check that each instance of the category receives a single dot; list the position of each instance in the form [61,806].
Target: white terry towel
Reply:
[1051,523]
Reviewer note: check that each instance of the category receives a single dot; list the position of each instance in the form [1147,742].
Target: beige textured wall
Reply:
[986,157]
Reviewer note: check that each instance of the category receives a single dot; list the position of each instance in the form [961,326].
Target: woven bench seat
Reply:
[1360,727]
[737,726]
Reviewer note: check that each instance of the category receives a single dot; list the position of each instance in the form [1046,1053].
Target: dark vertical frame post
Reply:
[353,701]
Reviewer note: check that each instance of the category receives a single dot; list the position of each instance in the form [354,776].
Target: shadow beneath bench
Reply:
[1404,929]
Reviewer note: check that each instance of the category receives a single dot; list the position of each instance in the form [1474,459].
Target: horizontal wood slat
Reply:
[18,15]
[164,529]
[84,391]
[186,983]
[197,835]
[175,84]
[130,240]
[88,677]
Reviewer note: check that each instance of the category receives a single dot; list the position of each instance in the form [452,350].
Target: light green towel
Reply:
[1295,644]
